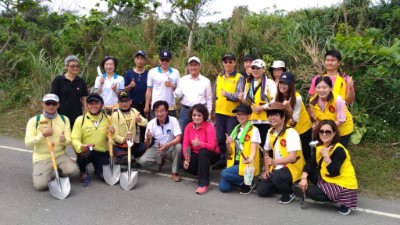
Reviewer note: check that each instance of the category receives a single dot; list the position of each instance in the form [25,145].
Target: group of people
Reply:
[244,122]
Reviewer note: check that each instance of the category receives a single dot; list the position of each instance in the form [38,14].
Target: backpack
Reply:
[38,118]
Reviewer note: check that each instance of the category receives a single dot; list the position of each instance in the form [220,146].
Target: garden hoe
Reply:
[60,186]
[129,178]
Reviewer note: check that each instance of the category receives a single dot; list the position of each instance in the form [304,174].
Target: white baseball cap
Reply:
[194,58]
[50,97]
[259,63]
[278,64]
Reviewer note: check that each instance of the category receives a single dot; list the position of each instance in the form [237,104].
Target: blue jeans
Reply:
[184,118]
[230,178]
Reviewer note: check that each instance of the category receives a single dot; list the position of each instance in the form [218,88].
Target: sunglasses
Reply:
[325,132]
[255,68]
[74,66]
[165,60]
[228,62]
[51,103]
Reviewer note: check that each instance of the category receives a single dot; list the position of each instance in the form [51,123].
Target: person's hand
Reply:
[223,93]
[132,84]
[86,147]
[286,101]
[258,109]
[128,136]
[138,119]
[350,82]
[146,110]
[47,132]
[168,83]
[247,160]
[111,129]
[241,95]
[266,174]
[268,160]
[102,80]
[186,163]
[212,117]
[195,142]
[303,184]
[114,87]
[325,151]
[62,137]
[162,148]
[149,135]
[229,139]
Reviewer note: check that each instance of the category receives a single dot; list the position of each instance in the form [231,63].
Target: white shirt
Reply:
[194,91]
[109,96]
[166,132]
[292,144]
[156,80]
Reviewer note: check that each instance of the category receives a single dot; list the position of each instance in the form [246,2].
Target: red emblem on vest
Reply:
[247,137]
[332,109]
[283,143]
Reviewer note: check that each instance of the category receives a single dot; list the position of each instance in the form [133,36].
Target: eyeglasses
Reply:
[325,132]
[165,60]
[273,115]
[228,62]
[255,68]
[51,103]
[197,115]
[74,66]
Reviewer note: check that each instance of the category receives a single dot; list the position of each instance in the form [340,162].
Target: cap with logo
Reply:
[258,63]
[140,52]
[229,56]
[249,57]
[94,97]
[165,54]
[123,95]
[287,77]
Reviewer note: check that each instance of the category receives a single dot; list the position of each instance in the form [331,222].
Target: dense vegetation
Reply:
[34,41]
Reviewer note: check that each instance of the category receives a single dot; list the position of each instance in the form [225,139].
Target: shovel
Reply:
[60,186]
[129,178]
[111,172]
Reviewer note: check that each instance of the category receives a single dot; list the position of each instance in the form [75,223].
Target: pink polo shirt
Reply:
[206,134]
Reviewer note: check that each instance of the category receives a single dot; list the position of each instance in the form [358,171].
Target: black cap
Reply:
[243,108]
[123,95]
[94,97]
[165,54]
[250,57]
[287,77]
[142,53]
[229,56]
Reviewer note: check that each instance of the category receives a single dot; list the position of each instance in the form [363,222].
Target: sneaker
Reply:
[247,189]
[83,177]
[287,198]
[343,210]
[201,190]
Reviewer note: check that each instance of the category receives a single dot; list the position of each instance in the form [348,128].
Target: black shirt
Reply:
[70,94]
[138,93]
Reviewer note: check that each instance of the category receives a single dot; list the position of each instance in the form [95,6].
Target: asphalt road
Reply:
[157,200]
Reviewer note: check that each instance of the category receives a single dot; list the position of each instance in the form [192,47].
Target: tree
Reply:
[189,13]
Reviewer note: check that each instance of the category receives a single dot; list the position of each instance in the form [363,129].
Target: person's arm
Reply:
[178,91]
[117,137]
[340,111]
[239,88]
[55,86]
[311,164]
[297,109]
[335,161]
[76,135]
[148,100]
[350,93]
[32,136]
[84,104]
[186,141]
[311,92]
[209,97]
[98,85]
[214,96]
[175,141]
[211,142]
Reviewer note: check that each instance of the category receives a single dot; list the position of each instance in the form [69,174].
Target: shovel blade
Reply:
[128,181]
[59,188]
[111,173]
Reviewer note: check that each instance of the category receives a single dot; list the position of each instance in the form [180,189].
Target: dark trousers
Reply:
[263,128]
[138,150]
[224,125]
[344,140]
[98,159]
[305,144]
[278,181]
[200,165]
[313,191]
[139,106]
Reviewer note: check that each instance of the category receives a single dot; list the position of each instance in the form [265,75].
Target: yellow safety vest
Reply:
[257,102]
[330,114]
[347,176]
[246,152]
[295,168]
[304,123]
[228,84]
